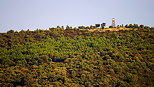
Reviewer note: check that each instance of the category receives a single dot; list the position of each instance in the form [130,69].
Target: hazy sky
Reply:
[42,14]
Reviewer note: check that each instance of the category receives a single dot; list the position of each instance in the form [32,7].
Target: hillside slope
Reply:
[67,58]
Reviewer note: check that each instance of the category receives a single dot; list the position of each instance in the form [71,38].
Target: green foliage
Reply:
[111,27]
[135,26]
[68,27]
[132,26]
[97,25]
[10,31]
[67,58]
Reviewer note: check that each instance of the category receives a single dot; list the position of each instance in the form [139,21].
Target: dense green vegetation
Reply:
[67,58]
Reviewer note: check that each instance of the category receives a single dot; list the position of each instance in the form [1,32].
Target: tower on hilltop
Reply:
[113,22]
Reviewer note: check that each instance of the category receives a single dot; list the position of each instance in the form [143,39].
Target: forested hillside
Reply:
[75,58]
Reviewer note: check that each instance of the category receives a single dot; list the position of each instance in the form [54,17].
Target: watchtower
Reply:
[113,22]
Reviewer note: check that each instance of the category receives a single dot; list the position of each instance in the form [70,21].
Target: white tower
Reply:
[113,22]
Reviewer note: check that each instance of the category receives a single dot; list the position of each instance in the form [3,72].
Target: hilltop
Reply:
[58,57]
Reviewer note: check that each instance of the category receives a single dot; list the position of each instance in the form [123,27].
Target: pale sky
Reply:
[42,14]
